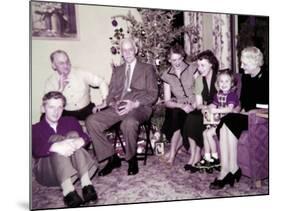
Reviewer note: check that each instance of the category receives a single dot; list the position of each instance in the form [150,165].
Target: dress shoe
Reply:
[219,184]
[133,166]
[187,167]
[216,162]
[204,163]
[89,194]
[193,169]
[72,199]
[113,162]
[237,175]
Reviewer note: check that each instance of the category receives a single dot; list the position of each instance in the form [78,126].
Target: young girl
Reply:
[224,102]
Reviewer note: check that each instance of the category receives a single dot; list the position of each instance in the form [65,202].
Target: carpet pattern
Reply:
[155,182]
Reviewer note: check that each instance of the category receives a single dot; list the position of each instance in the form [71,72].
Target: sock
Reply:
[67,187]
[207,156]
[85,180]
[215,155]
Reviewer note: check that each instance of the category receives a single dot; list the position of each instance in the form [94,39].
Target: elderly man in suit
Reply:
[132,92]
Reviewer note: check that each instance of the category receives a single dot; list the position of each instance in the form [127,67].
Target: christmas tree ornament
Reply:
[113,50]
[154,34]
[114,23]
[195,40]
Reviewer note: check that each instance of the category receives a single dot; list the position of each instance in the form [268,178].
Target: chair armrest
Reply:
[255,120]
[258,142]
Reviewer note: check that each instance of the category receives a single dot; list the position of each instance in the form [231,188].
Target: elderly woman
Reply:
[254,91]
[178,97]
[204,90]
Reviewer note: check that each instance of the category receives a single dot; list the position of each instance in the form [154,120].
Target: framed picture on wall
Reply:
[202,43]
[53,20]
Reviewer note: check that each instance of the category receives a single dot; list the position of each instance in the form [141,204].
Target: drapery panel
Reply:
[222,39]
[220,35]
[193,45]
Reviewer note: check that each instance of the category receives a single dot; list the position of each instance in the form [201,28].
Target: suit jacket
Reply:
[143,85]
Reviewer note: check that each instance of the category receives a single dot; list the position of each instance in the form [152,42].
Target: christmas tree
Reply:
[154,35]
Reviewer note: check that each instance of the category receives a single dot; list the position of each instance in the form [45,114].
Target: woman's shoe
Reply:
[216,162]
[187,167]
[219,184]
[237,175]
[203,163]
[193,169]
[216,184]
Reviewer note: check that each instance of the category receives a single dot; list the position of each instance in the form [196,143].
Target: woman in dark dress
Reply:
[179,99]
[254,91]
[204,90]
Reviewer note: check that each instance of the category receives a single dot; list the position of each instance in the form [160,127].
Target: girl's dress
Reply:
[254,91]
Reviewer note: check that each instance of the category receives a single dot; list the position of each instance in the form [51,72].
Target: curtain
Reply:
[222,39]
[193,43]
[214,32]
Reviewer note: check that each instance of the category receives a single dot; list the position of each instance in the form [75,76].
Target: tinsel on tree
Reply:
[154,34]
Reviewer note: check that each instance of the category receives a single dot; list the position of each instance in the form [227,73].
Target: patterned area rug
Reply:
[155,182]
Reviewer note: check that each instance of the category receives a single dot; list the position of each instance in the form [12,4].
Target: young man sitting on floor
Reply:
[57,146]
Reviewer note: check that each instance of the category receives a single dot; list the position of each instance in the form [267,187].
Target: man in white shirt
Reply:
[75,86]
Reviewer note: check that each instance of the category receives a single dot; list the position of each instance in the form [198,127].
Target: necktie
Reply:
[127,80]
